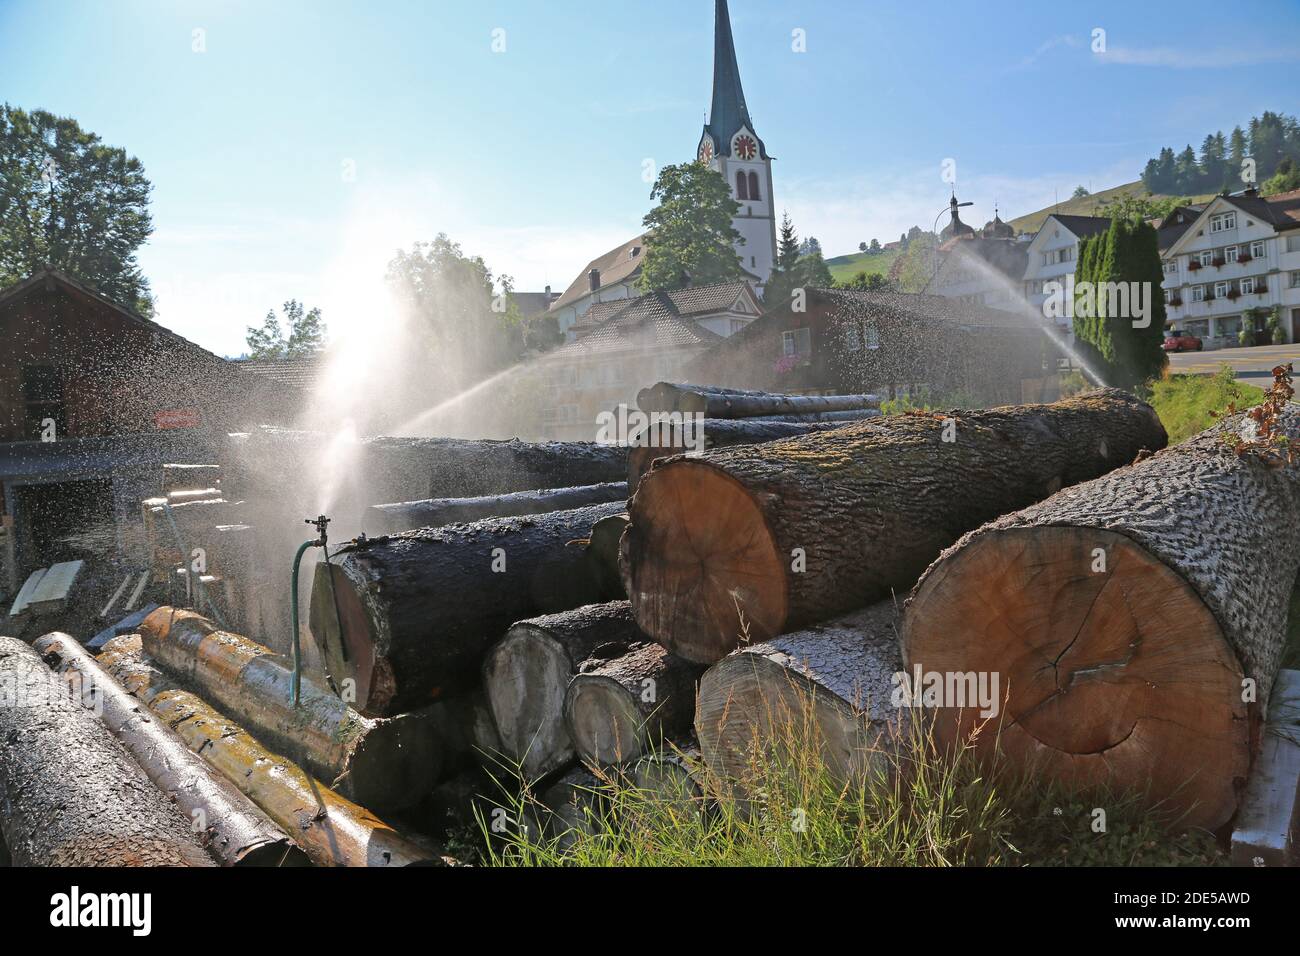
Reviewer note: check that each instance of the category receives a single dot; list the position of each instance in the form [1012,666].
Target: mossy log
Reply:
[755,540]
[229,825]
[332,830]
[1137,622]
[384,764]
[527,672]
[618,708]
[70,794]
[419,610]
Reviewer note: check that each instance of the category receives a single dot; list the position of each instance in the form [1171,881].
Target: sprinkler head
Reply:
[322,524]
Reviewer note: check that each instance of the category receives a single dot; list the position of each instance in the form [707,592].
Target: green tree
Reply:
[866,282]
[1080,192]
[917,263]
[690,238]
[69,201]
[1123,344]
[788,246]
[306,334]
[1284,180]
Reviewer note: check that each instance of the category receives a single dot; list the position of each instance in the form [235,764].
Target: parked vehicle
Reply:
[1176,340]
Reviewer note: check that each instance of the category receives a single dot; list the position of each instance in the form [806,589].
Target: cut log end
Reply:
[342,627]
[525,676]
[710,576]
[1118,671]
[605,722]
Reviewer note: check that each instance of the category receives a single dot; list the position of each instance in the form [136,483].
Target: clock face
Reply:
[706,151]
[745,147]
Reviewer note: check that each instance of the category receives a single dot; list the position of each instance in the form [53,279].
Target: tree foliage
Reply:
[799,265]
[306,334]
[1268,140]
[71,202]
[690,238]
[1109,332]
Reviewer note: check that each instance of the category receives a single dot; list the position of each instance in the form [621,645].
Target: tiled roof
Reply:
[646,323]
[695,300]
[934,308]
[532,303]
[1083,226]
[299,373]
[617,265]
[1281,211]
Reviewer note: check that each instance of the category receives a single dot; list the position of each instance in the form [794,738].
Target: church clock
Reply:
[706,151]
[745,147]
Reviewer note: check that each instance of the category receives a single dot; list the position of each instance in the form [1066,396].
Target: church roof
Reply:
[647,323]
[729,114]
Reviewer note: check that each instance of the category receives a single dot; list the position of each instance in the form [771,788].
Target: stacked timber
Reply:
[1137,620]
[228,824]
[408,618]
[436,512]
[70,793]
[330,829]
[383,764]
[715,402]
[756,540]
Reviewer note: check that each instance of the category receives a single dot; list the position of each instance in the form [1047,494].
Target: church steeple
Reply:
[729,114]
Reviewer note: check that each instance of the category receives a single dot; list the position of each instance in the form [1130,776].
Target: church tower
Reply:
[731,147]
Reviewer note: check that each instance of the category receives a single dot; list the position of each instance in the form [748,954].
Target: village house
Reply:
[1053,254]
[893,344]
[624,345]
[1233,265]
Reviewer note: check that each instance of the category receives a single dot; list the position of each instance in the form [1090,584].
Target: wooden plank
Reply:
[20,606]
[128,625]
[51,595]
[139,589]
[1265,833]
[121,588]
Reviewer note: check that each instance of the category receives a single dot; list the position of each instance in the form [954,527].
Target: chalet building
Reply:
[1053,254]
[886,343]
[1232,265]
[609,278]
[982,270]
[93,399]
[622,346]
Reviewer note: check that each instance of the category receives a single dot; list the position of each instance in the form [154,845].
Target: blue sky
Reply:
[534,157]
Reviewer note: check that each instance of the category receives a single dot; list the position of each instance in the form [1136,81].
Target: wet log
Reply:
[411,469]
[756,540]
[526,673]
[602,549]
[70,794]
[332,830]
[671,780]
[829,689]
[667,439]
[436,512]
[715,402]
[419,610]
[571,808]
[384,764]
[620,708]
[1137,621]
[227,823]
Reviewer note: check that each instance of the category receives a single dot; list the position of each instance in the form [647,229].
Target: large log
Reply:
[755,540]
[228,824]
[1137,622]
[602,549]
[436,512]
[417,611]
[270,460]
[831,686]
[666,439]
[526,673]
[70,794]
[383,764]
[618,709]
[332,830]
[715,402]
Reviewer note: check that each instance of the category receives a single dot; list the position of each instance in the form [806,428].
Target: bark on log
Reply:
[70,794]
[829,687]
[526,673]
[419,610]
[571,808]
[1123,616]
[436,512]
[715,402]
[671,779]
[602,548]
[413,469]
[233,829]
[332,830]
[618,709]
[666,440]
[761,539]
[382,764]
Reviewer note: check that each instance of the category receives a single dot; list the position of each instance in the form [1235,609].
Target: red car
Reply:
[1177,340]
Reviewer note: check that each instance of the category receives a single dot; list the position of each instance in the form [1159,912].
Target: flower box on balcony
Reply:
[1234,295]
[1218,263]
[1194,266]
[1175,301]
[1244,257]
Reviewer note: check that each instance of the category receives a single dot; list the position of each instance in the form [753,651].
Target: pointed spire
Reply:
[729,113]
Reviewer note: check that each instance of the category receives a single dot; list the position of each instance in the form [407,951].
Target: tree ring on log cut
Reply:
[345,639]
[1120,674]
[536,704]
[770,710]
[605,722]
[705,573]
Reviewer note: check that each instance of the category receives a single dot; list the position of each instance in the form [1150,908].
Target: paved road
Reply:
[1254,366]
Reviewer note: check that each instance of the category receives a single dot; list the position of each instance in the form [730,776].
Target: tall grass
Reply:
[912,805]
[1184,402]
